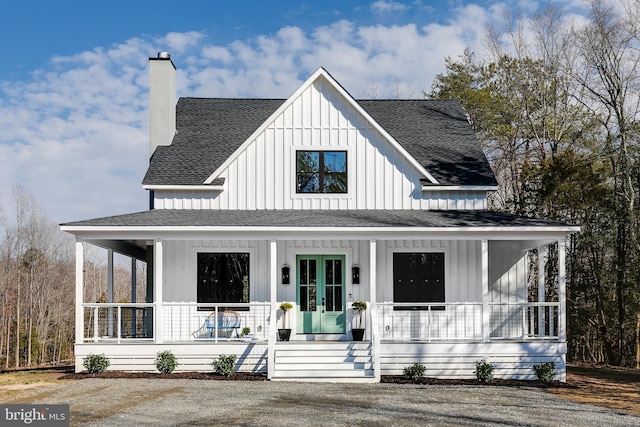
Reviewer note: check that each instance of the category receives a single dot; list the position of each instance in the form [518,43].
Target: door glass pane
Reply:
[304,301]
[337,279]
[312,298]
[312,272]
[304,279]
[329,298]
[338,298]
[328,265]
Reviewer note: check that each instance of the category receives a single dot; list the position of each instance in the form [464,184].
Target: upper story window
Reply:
[321,171]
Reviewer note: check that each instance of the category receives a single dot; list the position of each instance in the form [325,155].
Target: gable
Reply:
[262,172]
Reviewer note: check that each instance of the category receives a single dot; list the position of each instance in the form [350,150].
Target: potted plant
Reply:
[358,308]
[285,333]
[245,335]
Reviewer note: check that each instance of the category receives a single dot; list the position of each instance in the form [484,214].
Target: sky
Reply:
[74,75]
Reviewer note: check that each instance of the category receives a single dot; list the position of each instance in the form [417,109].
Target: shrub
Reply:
[96,363]
[484,371]
[225,364]
[414,371]
[545,371]
[166,362]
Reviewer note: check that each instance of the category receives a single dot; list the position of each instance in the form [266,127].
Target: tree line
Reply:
[37,285]
[556,107]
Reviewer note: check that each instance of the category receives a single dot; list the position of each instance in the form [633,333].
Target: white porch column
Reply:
[562,292]
[486,314]
[542,254]
[133,296]
[110,292]
[373,290]
[79,292]
[273,295]
[157,291]
[133,280]
[562,309]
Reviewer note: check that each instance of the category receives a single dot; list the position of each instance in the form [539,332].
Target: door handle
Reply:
[323,305]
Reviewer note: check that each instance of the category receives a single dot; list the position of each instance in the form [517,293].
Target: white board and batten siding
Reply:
[462,266]
[263,174]
[510,360]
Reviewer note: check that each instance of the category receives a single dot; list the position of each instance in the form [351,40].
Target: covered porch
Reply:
[502,303]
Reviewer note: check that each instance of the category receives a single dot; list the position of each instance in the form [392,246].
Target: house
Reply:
[322,200]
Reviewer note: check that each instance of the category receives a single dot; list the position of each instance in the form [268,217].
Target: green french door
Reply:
[320,294]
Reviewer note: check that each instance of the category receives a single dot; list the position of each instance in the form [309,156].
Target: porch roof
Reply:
[301,219]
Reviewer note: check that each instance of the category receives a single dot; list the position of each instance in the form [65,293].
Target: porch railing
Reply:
[188,321]
[181,321]
[122,321]
[464,321]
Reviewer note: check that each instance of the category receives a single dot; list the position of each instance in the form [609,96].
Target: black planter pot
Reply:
[284,334]
[358,334]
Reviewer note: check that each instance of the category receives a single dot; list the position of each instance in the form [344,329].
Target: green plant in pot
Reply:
[358,308]
[285,333]
[246,334]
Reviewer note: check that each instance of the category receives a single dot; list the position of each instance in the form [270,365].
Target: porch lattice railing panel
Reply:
[181,322]
[464,321]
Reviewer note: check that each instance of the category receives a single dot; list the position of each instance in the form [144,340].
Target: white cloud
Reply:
[75,135]
[382,6]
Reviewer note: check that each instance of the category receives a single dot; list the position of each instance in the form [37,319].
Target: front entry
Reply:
[320,294]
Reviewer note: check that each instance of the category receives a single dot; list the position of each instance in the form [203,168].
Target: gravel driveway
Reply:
[155,402]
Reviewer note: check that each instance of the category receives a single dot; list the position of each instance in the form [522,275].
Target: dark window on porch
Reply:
[223,278]
[418,277]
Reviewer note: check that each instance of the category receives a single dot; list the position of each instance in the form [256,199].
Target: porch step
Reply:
[324,361]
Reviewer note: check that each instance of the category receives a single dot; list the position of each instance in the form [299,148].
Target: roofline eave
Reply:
[321,233]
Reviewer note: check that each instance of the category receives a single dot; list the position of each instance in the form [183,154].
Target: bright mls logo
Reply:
[35,415]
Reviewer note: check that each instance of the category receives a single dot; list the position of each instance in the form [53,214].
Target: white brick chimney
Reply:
[162,101]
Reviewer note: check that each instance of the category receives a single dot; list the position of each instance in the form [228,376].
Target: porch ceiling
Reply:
[341,223]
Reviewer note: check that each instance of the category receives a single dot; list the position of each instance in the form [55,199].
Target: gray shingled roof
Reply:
[316,218]
[435,132]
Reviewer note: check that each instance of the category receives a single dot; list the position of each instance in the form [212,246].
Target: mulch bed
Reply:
[398,379]
[247,376]
[238,376]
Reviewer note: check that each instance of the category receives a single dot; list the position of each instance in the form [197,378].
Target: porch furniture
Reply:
[226,322]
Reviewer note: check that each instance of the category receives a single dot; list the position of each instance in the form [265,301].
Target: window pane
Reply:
[223,278]
[335,161]
[308,161]
[304,304]
[418,277]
